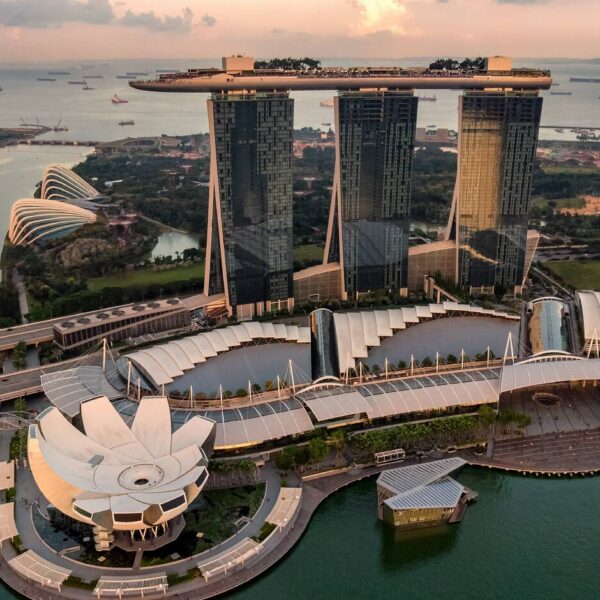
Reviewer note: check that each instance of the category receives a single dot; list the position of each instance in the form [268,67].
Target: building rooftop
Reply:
[245,78]
[112,315]
[424,485]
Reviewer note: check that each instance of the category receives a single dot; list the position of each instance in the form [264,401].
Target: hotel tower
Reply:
[249,241]
[370,208]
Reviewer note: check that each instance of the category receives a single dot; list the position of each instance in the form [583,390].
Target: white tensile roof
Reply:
[425,485]
[135,585]
[407,395]
[8,529]
[164,363]
[112,468]
[287,503]
[230,558]
[32,566]
[69,388]
[7,475]
[589,301]
[356,332]
[565,368]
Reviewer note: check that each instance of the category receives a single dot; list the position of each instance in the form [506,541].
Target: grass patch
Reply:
[11,495]
[265,531]
[579,274]
[570,169]
[79,583]
[17,544]
[308,252]
[175,578]
[577,202]
[146,277]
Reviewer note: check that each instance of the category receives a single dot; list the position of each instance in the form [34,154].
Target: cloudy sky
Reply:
[36,30]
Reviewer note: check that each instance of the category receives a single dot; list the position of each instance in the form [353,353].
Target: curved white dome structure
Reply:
[33,220]
[60,183]
[115,477]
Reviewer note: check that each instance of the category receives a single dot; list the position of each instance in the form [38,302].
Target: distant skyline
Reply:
[54,30]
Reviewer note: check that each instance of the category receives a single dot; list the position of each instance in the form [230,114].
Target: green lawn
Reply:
[308,252]
[146,276]
[570,169]
[577,202]
[580,274]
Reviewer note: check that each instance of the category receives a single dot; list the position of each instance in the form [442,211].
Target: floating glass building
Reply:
[497,141]
[249,242]
[369,219]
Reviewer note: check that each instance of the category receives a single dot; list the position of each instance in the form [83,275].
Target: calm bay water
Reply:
[523,539]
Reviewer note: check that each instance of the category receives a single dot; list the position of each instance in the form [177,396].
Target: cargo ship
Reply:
[59,72]
[130,122]
[125,76]
[87,88]
[116,100]
[136,73]
[584,79]
[93,77]
[561,93]
[46,79]
[77,82]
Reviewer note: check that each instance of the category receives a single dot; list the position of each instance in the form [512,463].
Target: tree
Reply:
[317,449]
[20,405]
[427,362]
[505,418]
[521,420]
[487,415]
[338,441]
[285,460]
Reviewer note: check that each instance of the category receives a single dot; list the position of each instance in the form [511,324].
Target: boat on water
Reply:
[166,70]
[555,84]
[328,102]
[116,100]
[427,98]
[125,76]
[136,73]
[130,122]
[561,93]
[87,88]
[93,76]
[46,79]
[59,72]
[559,130]
[78,82]
[585,79]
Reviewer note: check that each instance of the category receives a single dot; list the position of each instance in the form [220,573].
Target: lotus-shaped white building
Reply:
[116,477]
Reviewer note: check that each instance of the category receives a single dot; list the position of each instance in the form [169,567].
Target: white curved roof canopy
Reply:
[32,220]
[562,369]
[356,332]
[61,183]
[162,364]
[143,471]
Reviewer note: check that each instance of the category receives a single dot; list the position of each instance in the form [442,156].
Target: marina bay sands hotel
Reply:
[249,242]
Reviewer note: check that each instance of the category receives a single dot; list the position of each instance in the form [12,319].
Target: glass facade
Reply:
[497,145]
[253,146]
[376,133]
[323,345]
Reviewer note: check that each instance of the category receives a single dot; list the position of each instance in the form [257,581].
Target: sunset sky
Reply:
[45,30]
